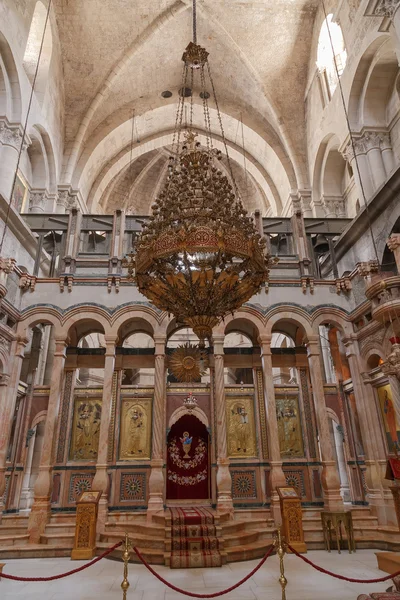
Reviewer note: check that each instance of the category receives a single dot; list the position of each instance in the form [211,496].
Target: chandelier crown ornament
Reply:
[199,256]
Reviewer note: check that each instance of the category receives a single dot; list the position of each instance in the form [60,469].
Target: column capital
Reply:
[61,343]
[4,379]
[11,135]
[111,342]
[218,340]
[160,341]
[264,339]
[350,343]
[367,268]
[313,345]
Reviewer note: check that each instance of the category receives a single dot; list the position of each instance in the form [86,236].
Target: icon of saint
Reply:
[186,442]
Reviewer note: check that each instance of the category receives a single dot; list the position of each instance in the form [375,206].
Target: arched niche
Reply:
[10,92]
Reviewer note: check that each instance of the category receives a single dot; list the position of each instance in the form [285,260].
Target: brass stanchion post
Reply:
[280,545]
[125,557]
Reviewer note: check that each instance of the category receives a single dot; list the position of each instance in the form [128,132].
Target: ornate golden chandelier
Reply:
[199,256]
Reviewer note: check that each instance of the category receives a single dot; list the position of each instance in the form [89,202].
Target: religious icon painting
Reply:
[289,427]
[85,429]
[241,428]
[392,429]
[135,429]
[20,194]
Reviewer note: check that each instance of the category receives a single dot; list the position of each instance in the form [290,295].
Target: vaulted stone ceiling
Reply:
[119,55]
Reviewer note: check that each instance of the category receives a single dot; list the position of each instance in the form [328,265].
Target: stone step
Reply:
[12,529]
[14,540]
[232,526]
[257,550]
[58,539]
[34,551]
[69,518]
[247,537]
[126,517]
[11,520]
[60,528]
[153,555]
[262,514]
[140,528]
[139,540]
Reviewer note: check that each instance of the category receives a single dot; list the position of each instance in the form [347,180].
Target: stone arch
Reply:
[78,328]
[99,169]
[330,177]
[38,418]
[379,87]
[292,315]
[33,316]
[359,79]
[335,317]
[134,325]
[148,319]
[39,47]
[181,411]
[10,91]
[246,324]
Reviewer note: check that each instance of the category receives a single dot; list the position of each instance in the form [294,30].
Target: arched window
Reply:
[40,25]
[331,35]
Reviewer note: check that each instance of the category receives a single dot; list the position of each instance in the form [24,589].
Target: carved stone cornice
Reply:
[11,135]
[385,8]
[367,268]
[67,199]
[364,142]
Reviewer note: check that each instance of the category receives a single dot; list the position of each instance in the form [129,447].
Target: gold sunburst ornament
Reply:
[188,363]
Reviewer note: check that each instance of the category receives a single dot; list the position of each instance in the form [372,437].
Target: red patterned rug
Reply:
[194,539]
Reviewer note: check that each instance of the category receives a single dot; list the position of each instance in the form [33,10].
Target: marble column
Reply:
[329,477]
[387,154]
[156,480]
[372,141]
[368,418]
[100,481]
[361,171]
[277,476]
[224,479]
[40,512]
[8,399]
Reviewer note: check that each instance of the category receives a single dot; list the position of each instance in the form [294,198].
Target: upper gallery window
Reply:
[331,35]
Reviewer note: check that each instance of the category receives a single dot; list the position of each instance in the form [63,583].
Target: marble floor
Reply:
[102,581]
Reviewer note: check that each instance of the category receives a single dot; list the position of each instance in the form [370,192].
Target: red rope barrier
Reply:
[351,579]
[192,594]
[53,577]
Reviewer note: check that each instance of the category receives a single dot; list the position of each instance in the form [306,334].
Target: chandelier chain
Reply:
[174,138]
[205,108]
[194,22]
[191,97]
[222,131]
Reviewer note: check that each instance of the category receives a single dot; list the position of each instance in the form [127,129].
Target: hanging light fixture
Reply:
[199,256]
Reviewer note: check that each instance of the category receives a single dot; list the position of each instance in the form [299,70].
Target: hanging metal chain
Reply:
[194,23]
[223,132]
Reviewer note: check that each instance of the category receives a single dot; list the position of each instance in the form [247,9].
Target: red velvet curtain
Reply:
[187,460]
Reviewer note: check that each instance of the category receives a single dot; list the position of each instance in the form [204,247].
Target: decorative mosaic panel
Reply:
[296,479]
[132,487]
[65,403]
[263,417]
[79,483]
[5,495]
[244,485]
[111,432]
[308,413]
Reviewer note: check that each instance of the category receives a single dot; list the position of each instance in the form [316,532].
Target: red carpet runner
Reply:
[194,539]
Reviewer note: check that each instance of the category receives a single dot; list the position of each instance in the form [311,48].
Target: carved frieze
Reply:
[11,135]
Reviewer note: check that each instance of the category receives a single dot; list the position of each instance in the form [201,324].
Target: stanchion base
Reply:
[83,553]
[1,568]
